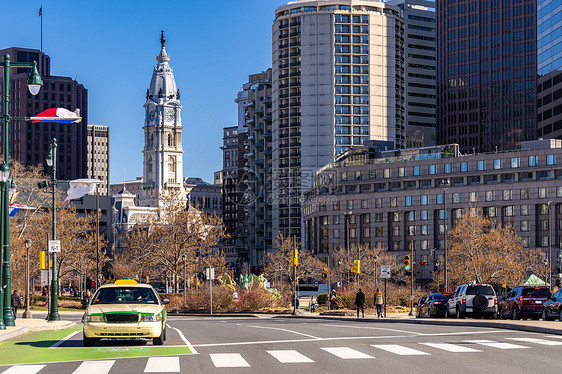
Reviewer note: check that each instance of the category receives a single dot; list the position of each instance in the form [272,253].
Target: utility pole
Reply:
[412,281]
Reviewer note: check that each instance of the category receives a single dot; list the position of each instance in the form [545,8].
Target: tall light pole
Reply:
[375,259]
[97,235]
[445,183]
[549,204]
[34,84]
[52,161]
[27,313]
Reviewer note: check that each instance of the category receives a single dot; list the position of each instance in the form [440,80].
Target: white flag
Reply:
[81,187]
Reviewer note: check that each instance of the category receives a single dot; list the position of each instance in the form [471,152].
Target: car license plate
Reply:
[469,310]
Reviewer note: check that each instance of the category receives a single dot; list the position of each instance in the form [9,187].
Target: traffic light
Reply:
[407,263]
[356,268]
[295,257]
[325,273]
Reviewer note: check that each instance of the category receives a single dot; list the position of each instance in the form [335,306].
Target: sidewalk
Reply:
[38,323]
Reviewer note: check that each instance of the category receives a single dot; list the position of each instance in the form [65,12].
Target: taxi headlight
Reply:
[151,318]
[94,318]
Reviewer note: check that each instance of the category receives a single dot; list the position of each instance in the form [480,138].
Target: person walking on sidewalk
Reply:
[360,302]
[16,302]
[313,304]
[379,302]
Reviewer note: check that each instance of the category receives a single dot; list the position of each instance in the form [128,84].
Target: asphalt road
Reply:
[281,345]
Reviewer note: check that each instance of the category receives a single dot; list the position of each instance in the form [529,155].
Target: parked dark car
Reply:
[419,304]
[552,308]
[434,306]
[524,302]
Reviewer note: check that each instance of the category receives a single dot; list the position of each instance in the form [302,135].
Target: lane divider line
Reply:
[64,339]
[189,345]
[286,330]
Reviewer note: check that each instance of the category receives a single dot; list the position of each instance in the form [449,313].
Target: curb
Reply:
[471,323]
[24,330]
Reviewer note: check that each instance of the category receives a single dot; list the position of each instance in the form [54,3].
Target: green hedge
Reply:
[322,298]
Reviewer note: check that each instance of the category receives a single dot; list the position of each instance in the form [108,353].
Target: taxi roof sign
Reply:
[125,281]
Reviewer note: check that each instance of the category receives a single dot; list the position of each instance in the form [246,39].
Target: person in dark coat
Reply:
[360,302]
[16,302]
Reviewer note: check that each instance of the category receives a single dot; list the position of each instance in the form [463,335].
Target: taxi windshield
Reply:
[125,295]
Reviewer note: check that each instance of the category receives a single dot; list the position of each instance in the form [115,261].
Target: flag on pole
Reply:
[14,208]
[60,115]
[81,187]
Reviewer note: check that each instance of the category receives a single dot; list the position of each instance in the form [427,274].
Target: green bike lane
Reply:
[66,345]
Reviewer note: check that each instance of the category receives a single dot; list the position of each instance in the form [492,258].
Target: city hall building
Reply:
[398,199]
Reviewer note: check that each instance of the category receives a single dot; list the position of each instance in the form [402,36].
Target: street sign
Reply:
[210,273]
[54,246]
[385,271]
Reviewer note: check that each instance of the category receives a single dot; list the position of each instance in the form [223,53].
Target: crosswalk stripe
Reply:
[229,360]
[94,367]
[162,365]
[451,347]
[400,350]
[289,356]
[24,369]
[537,341]
[346,352]
[491,343]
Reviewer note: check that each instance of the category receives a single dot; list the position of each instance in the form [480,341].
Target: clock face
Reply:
[152,115]
[170,115]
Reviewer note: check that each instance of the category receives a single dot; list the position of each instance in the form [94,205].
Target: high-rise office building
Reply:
[549,66]
[486,81]
[98,156]
[338,80]
[230,193]
[29,142]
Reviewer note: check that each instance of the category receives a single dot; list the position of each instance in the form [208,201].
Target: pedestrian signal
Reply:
[407,263]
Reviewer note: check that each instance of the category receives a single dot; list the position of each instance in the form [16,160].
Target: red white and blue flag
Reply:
[14,208]
[60,115]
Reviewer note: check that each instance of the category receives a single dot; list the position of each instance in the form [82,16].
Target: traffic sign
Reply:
[54,246]
[210,273]
[385,271]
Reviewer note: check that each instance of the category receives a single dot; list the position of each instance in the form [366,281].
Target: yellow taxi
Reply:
[125,310]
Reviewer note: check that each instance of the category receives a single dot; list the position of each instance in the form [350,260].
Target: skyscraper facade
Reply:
[486,81]
[29,142]
[98,156]
[549,69]
[338,80]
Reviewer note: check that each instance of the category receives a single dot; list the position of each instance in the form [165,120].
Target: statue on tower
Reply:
[162,39]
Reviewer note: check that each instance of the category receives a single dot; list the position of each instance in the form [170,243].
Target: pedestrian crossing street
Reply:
[369,351]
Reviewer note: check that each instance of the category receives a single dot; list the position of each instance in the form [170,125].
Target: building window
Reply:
[544,241]
[544,225]
[441,214]
[464,167]
[409,200]
[441,229]
[379,217]
[524,193]
[489,195]
[366,232]
[448,168]
[372,174]
[424,200]
[412,230]
[353,233]
[336,219]
[439,198]
[337,205]
[412,216]
[378,232]
[525,210]
[498,163]
[525,226]
[508,211]
[424,215]
[366,218]
[395,217]
[456,198]
[393,201]
[551,159]
[378,202]
[526,241]
[543,192]
[344,176]
[352,219]
[324,220]
[349,204]
[514,162]
[358,175]
[544,209]
[417,170]
[432,169]
[425,229]
[401,172]
[324,234]
[364,204]
[473,197]
[559,191]
[532,161]
[506,195]
[492,211]
[386,173]
[396,231]
[481,165]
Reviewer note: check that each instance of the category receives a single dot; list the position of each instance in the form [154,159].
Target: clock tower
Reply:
[163,152]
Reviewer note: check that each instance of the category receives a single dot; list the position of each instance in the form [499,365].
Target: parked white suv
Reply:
[473,299]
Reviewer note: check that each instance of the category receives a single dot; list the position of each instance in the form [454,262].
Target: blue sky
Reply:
[110,47]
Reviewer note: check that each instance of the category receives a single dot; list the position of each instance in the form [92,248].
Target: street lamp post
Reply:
[184,258]
[52,161]
[27,313]
[445,183]
[97,235]
[34,83]
[375,259]
[549,246]
[437,263]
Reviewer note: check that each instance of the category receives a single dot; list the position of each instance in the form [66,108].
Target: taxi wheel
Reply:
[160,340]
[89,342]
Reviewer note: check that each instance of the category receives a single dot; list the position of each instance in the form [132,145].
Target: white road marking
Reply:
[537,341]
[64,339]
[369,328]
[493,344]
[189,345]
[286,330]
[400,350]
[24,369]
[347,338]
[451,347]
[162,365]
[229,360]
[289,356]
[346,353]
[94,367]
